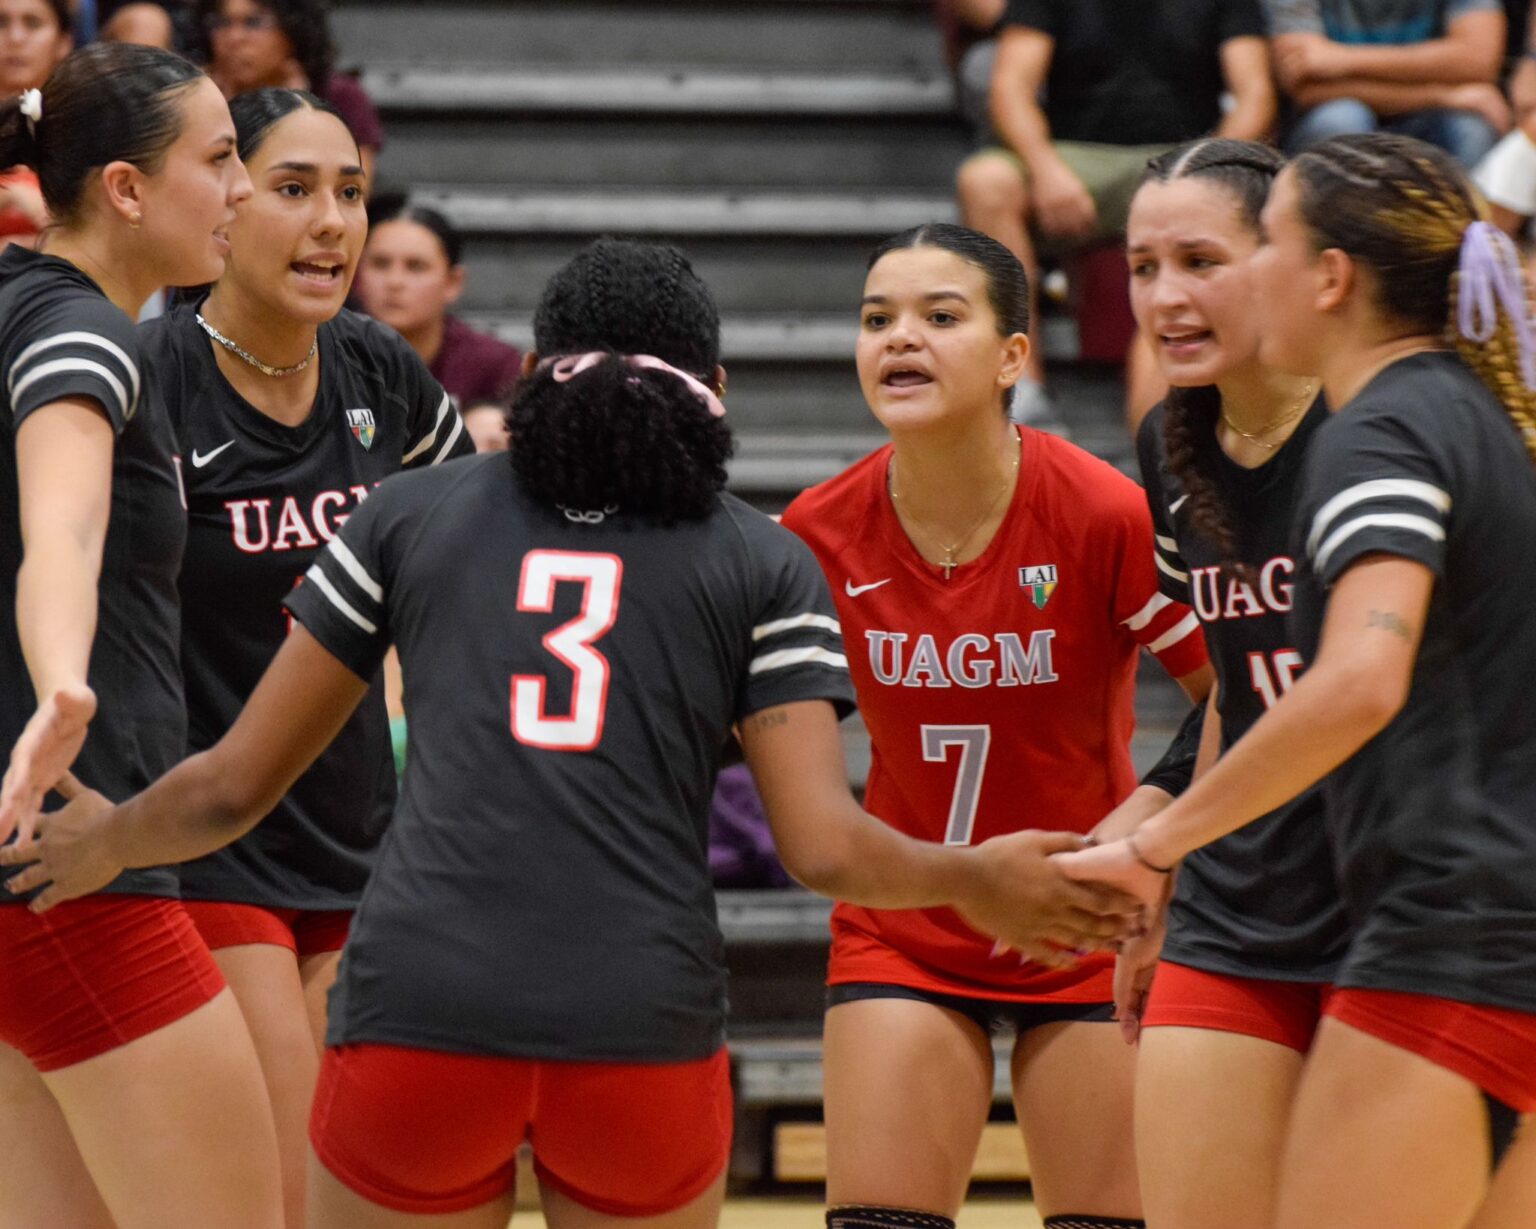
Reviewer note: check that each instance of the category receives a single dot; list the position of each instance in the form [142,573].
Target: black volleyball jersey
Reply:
[1433,822]
[544,888]
[60,337]
[264,498]
[1260,902]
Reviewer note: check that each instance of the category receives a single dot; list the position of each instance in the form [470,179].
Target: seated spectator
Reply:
[1424,68]
[134,21]
[34,36]
[970,46]
[1120,84]
[411,274]
[249,44]
[1522,80]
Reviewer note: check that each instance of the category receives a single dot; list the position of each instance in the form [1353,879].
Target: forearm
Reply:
[1252,118]
[193,810]
[1324,719]
[1145,802]
[56,612]
[1383,97]
[1024,129]
[1449,61]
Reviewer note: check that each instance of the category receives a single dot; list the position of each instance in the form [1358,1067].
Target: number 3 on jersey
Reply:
[974,742]
[571,643]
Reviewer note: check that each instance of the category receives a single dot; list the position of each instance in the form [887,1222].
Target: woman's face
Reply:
[31,43]
[929,350]
[406,280]
[298,239]
[188,205]
[1292,327]
[249,47]
[1190,254]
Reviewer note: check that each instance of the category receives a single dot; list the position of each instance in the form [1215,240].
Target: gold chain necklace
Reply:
[949,562]
[1307,397]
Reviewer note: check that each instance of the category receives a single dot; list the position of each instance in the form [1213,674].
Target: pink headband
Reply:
[572,365]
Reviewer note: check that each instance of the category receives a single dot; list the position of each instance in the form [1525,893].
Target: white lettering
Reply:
[291,525]
[1021,668]
[1277,595]
[890,674]
[242,531]
[927,668]
[975,673]
[325,528]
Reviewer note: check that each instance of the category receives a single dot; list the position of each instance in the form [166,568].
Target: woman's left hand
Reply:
[69,852]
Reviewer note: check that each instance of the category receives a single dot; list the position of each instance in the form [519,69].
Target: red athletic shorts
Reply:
[91,975]
[430,1133]
[304,932]
[1493,1047]
[1286,1013]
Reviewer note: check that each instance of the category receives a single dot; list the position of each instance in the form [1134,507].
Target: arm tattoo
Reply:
[1391,622]
[768,719]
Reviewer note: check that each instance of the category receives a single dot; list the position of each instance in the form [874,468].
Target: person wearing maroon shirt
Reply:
[412,274]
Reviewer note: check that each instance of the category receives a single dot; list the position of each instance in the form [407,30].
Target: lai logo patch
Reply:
[1039,581]
[361,422]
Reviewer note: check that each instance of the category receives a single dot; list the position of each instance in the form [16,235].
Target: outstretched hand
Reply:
[1024,900]
[68,853]
[42,756]
[1117,865]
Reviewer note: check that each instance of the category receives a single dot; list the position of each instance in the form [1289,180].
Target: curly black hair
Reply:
[613,436]
[305,23]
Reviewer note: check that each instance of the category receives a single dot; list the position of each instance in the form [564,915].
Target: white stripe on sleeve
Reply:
[1168,544]
[431,437]
[1181,577]
[1385,520]
[794,622]
[1175,633]
[1376,488]
[1148,612]
[781,658]
[41,371]
[1176,505]
[323,583]
[453,436]
[356,570]
[71,339]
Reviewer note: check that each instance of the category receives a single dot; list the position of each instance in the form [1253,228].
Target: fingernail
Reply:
[1000,949]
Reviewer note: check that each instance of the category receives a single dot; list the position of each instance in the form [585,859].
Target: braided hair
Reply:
[1403,207]
[1245,170]
[614,436]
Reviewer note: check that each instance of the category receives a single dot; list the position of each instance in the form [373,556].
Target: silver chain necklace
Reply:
[252,359]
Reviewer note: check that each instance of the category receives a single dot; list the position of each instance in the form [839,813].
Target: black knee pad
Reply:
[855,1216]
[1503,1122]
[1071,1220]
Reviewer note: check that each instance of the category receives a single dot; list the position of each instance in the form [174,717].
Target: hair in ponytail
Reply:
[1405,209]
[1245,170]
[110,102]
[615,436]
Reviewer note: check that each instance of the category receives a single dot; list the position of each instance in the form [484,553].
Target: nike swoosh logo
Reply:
[200,459]
[853,590]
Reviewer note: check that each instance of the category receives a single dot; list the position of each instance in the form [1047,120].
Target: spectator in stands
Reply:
[970,45]
[254,43]
[1120,84]
[1424,68]
[34,36]
[152,23]
[412,273]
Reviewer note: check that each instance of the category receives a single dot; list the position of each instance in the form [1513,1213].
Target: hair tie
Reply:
[1491,278]
[570,366]
[32,109]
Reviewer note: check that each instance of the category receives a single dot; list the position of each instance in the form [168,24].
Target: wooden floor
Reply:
[805,1212]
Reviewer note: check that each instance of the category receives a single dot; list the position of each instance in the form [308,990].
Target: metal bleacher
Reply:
[776,141]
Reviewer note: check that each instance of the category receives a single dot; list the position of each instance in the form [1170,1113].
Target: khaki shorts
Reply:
[1111,173]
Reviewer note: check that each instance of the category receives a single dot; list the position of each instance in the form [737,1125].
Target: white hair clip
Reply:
[32,108]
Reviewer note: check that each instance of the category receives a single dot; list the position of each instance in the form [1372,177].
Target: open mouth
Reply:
[323,273]
[905,377]
[1185,340]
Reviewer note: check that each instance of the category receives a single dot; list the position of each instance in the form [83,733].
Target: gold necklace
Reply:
[949,562]
[1307,397]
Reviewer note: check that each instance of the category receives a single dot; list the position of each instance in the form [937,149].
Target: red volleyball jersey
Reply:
[998,700]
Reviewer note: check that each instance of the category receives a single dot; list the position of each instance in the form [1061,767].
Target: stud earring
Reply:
[136,221]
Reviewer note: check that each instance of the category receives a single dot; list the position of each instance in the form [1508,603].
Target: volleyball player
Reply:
[289,411]
[995,586]
[131,1093]
[1256,928]
[579,625]
[1415,535]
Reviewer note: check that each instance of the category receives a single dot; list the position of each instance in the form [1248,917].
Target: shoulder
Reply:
[1076,477]
[410,495]
[830,511]
[1427,399]
[44,296]
[376,350]
[165,337]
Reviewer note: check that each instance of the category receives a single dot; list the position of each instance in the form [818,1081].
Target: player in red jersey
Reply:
[995,586]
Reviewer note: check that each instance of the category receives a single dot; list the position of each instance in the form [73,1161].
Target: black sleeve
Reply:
[1377,483]
[1162,497]
[797,640]
[1240,19]
[341,600]
[1173,773]
[434,431]
[83,347]
[1036,14]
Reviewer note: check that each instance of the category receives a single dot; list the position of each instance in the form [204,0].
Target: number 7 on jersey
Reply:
[571,643]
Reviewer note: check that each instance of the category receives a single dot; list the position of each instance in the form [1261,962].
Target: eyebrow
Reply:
[1183,245]
[310,168]
[931,297]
